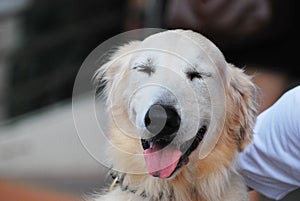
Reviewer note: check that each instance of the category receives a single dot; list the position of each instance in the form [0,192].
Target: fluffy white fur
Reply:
[129,91]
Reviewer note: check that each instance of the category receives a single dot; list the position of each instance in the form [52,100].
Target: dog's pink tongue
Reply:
[161,162]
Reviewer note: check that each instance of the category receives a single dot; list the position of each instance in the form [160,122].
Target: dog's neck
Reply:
[148,188]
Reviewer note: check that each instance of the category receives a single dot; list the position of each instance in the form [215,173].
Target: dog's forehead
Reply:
[173,43]
[161,50]
[183,49]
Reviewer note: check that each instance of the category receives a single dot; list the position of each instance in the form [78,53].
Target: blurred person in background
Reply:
[258,35]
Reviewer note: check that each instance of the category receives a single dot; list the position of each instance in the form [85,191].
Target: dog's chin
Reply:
[164,160]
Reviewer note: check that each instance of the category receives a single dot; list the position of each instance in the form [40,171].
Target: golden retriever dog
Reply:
[178,116]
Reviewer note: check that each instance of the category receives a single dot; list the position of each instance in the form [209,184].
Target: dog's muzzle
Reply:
[163,157]
[163,123]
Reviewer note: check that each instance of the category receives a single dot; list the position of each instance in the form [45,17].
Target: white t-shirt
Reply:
[271,164]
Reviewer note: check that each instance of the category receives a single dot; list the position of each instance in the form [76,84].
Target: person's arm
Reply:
[271,164]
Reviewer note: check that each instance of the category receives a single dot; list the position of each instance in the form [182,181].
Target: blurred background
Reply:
[44,42]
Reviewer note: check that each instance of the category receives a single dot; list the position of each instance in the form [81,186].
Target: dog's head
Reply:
[169,93]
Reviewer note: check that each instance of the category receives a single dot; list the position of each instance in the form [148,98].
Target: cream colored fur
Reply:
[213,178]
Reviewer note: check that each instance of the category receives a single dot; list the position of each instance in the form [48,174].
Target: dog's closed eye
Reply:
[194,74]
[145,66]
[191,75]
[145,69]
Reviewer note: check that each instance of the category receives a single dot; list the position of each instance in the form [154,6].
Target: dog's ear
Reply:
[243,93]
[117,62]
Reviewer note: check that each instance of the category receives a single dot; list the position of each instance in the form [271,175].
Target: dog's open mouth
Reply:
[163,159]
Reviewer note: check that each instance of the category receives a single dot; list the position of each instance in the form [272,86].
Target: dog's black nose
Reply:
[162,120]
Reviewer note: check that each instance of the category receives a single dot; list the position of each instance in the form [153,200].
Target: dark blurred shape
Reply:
[57,37]
[258,33]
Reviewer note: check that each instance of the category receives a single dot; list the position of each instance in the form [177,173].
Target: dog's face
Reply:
[168,94]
